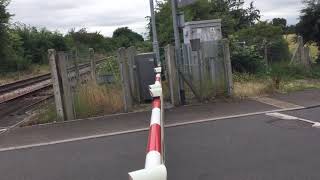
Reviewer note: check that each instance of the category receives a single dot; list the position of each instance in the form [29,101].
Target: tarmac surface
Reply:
[247,147]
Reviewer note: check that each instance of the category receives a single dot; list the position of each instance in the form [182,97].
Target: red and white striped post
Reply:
[154,165]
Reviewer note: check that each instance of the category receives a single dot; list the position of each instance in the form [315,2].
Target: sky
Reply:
[105,16]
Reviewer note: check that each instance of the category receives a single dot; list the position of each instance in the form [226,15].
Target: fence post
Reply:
[93,64]
[67,96]
[300,50]
[76,66]
[172,75]
[227,65]
[306,59]
[266,54]
[56,85]
[131,51]
[124,72]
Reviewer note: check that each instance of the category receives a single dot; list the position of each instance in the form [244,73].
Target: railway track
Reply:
[18,97]
[24,87]
[26,82]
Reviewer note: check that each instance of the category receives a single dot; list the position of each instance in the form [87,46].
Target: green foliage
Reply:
[23,45]
[82,40]
[7,55]
[246,59]
[249,58]
[279,22]
[283,71]
[290,29]
[258,33]
[265,34]
[35,43]
[278,50]
[309,24]
[125,37]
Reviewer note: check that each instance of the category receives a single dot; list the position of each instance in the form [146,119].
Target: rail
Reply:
[21,88]
[155,158]
[25,82]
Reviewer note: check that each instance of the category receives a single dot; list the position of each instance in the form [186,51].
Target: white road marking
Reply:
[287,117]
[143,129]
[276,103]
[282,116]
[71,140]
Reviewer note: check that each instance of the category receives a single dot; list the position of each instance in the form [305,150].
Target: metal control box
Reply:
[205,31]
[145,64]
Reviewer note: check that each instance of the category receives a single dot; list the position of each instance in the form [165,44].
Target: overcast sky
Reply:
[106,15]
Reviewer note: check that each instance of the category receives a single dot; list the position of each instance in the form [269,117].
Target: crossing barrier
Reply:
[155,159]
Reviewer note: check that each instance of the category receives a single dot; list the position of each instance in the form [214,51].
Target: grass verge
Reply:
[246,85]
[94,100]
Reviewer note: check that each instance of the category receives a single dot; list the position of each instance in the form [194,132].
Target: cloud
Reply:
[63,15]
[289,9]
[106,15]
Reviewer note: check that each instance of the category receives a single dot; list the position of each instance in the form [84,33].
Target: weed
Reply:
[45,114]
[93,100]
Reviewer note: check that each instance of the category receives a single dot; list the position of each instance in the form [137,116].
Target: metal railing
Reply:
[155,159]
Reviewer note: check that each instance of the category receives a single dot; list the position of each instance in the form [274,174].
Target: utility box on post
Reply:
[205,31]
[145,64]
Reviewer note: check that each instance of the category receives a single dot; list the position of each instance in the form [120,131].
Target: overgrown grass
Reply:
[34,70]
[246,85]
[91,100]
[280,79]
[94,100]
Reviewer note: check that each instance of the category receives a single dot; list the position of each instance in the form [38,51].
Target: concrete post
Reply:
[133,77]
[172,75]
[266,55]
[67,96]
[306,59]
[93,64]
[56,84]
[227,65]
[200,73]
[301,54]
[76,66]
[124,73]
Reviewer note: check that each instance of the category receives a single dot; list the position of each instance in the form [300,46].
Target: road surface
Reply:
[254,147]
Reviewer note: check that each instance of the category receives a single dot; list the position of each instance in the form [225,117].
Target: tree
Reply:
[290,29]
[309,24]
[125,37]
[83,40]
[279,22]
[264,34]
[36,42]
[10,50]
[4,38]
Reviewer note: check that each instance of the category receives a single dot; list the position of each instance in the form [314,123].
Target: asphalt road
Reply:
[251,148]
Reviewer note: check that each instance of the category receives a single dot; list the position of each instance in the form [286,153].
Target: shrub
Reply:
[278,50]
[265,34]
[246,59]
